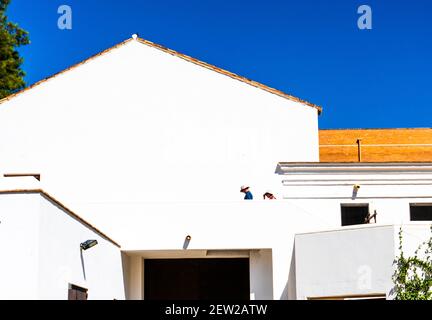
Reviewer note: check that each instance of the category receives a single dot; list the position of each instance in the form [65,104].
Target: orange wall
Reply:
[377,145]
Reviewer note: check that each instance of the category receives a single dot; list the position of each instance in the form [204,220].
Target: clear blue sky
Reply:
[311,49]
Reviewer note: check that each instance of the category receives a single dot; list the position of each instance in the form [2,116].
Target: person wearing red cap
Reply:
[268,195]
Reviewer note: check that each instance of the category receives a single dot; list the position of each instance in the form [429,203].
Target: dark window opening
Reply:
[196,279]
[354,214]
[421,211]
[77,293]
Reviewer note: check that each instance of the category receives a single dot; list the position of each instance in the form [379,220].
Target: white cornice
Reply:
[289,168]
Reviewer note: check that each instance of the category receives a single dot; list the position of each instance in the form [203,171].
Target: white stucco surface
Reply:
[40,245]
[246,225]
[151,148]
[138,124]
[388,189]
[19,247]
[354,261]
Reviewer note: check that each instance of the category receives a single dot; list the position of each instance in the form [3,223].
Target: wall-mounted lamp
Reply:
[356,188]
[88,244]
[186,242]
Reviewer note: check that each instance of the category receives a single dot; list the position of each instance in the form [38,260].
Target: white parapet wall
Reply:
[352,262]
[265,229]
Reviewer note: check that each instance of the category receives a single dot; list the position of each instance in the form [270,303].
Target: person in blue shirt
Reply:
[248,194]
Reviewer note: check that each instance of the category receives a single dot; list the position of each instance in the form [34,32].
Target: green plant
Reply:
[11,37]
[413,275]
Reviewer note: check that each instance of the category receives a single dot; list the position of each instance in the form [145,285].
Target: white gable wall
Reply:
[141,124]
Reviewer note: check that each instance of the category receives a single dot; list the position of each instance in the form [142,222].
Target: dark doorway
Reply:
[421,212]
[196,279]
[353,214]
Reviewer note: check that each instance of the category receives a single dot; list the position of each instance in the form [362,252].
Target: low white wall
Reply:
[40,247]
[19,246]
[351,261]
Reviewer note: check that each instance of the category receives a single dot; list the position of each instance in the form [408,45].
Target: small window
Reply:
[421,211]
[77,293]
[353,214]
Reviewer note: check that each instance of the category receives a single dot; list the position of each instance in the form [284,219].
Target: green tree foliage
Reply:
[11,37]
[413,275]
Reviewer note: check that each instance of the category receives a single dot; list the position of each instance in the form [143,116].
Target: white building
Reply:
[40,249]
[151,146]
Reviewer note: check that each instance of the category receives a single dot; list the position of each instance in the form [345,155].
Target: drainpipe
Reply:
[359,150]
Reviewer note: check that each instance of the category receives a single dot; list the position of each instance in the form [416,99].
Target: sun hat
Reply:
[244,187]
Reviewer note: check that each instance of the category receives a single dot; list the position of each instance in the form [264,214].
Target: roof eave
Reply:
[182,56]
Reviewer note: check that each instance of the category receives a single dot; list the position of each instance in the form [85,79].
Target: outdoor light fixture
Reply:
[186,242]
[88,244]
[356,188]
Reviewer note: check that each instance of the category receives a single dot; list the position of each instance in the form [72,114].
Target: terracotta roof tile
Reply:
[229,74]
